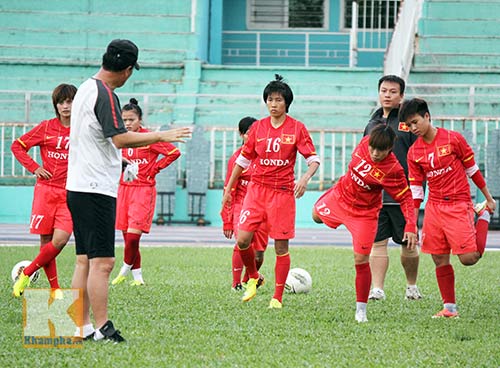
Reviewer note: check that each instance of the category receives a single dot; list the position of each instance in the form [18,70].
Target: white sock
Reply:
[360,306]
[85,330]
[125,269]
[452,307]
[485,216]
[98,335]
[137,273]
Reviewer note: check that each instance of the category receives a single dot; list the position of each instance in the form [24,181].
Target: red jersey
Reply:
[53,139]
[238,193]
[273,152]
[443,163]
[147,159]
[360,189]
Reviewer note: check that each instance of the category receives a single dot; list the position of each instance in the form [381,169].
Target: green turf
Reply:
[187,316]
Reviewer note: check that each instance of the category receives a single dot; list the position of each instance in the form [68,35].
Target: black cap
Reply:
[124,53]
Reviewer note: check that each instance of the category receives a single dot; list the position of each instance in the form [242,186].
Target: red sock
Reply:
[248,258]
[280,273]
[51,272]
[446,282]
[481,234]
[131,247]
[137,261]
[363,282]
[237,266]
[47,253]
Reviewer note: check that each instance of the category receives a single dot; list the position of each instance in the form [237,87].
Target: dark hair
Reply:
[133,105]
[411,107]
[382,137]
[394,79]
[120,55]
[61,93]
[245,124]
[279,86]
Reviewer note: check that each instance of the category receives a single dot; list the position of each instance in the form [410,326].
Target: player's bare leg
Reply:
[79,281]
[97,287]
[379,263]
[410,260]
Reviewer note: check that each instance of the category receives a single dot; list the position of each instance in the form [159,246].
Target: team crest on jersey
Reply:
[288,138]
[402,127]
[377,174]
[444,150]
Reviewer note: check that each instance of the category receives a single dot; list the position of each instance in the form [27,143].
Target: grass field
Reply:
[187,316]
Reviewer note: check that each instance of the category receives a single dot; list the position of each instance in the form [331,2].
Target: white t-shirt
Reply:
[94,163]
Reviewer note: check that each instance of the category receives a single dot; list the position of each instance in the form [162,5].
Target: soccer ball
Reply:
[298,281]
[19,267]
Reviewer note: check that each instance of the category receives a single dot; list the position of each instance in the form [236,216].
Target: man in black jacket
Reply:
[391,222]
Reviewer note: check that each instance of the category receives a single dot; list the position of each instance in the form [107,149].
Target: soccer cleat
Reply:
[118,280]
[109,332]
[446,314]
[136,283]
[22,283]
[361,316]
[376,294]
[251,290]
[275,304]
[237,287]
[480,207]
[412,293]
[261,281]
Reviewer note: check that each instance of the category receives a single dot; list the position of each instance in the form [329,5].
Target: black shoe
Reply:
[109,332]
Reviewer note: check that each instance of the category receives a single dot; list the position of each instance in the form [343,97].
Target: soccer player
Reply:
[445,160]
[50,216]
[137,196]
[391,222]
[272,148]
[94,169]
[230,215]
[355,201]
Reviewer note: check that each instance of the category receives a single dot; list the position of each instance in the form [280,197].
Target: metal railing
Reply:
[334,146]
[477,100]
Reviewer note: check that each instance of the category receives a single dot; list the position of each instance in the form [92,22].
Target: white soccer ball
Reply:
[19,267]
[298,281]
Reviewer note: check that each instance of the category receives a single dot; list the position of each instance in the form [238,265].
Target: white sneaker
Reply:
[412,293]
[361,316]
[376,294]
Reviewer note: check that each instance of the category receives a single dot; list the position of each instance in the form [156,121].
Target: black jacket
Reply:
[404,139]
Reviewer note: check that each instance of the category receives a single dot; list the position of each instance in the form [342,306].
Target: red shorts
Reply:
[260,236]
[449,227]
[135,207]
[362,228]
[267,207]
[50,210]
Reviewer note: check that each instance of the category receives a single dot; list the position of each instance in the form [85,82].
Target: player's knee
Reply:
[379,249]
[316,217]
[409,253]
[469,259]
